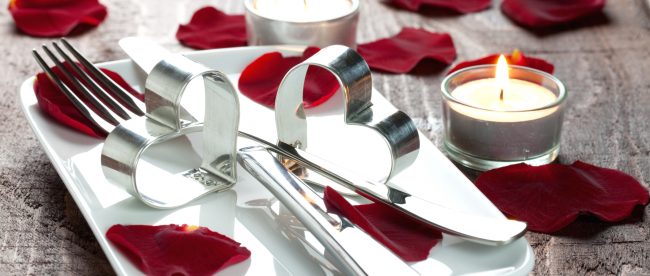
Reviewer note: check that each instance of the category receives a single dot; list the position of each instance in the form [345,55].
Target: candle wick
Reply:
[501,95]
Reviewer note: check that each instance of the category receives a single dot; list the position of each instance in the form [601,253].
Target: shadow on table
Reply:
[428,67]
[594,20]
[425,67]
[77,31]
[472,174]
[428,11]
[588,226]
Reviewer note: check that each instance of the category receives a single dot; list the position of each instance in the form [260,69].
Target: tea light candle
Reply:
[302,22]
[496,121]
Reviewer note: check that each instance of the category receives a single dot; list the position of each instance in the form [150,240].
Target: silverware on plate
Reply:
[346,244]
[493,231]
[337,59]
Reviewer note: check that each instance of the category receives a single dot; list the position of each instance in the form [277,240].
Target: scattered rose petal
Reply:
[464,6]
[402,52]
[55,104]
[545,13]
[260,80]
[550,197]
[405,236]
[211,28]
[176,250]
[516,58]
[56,17]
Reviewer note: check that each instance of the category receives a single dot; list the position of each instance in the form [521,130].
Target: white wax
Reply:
[302,10]
[519,97]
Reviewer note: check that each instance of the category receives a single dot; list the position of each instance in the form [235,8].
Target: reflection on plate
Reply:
[248,213]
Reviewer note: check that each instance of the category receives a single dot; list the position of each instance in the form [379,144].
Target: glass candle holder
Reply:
[484,136]
[318,23]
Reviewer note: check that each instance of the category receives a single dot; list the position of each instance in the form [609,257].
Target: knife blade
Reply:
[475,228]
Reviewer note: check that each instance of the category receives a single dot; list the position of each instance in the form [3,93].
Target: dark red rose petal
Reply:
[517,58]
[260,80]
[176,250]
[464,6]
[56,17]
[405,236]
[401,53]
[552,196]
[55,104]
[545,13]
[211,28]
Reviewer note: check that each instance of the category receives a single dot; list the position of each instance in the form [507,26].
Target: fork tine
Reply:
[92,85]
[126,97]
[100,108]
[95,119]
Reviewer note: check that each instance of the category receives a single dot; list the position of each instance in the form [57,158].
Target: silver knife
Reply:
[475,228]
[481,229]
[355,251]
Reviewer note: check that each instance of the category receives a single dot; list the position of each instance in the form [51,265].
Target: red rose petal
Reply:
[57,17]
[550,197]
[544,13]
[405,236]
[260,80]
[464,6]
[401,53]
[517,58]
[211,28]
[55,104]
[176,250]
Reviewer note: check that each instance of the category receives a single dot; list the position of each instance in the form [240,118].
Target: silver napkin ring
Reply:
[165,86]
[352,72]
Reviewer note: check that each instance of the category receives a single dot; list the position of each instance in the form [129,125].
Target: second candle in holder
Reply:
[498,115]
[302,22]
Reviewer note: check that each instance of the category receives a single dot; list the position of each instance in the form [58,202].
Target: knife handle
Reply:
[355,251]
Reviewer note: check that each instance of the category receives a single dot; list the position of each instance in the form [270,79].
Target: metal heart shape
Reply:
[397,128]
[124,147]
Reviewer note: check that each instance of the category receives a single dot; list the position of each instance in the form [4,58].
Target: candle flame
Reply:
[502,75]
[502,72]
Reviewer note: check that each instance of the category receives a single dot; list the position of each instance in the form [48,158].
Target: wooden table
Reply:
[604,61]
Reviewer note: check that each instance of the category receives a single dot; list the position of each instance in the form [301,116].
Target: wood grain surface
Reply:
[604,61]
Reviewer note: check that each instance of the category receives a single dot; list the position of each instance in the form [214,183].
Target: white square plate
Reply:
[103,204]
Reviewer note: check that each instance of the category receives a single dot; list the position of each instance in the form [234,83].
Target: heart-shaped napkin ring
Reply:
[352,72]
[165,87]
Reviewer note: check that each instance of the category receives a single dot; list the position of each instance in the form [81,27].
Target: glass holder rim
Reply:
[562,91]
[354,10]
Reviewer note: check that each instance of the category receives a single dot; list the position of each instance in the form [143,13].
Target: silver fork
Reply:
[105,109]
